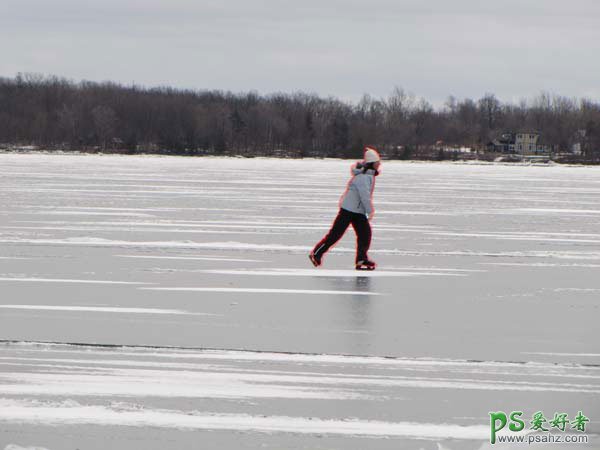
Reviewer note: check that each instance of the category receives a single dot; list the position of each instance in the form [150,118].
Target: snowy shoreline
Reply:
[269,158]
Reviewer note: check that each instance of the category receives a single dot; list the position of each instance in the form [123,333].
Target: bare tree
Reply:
[105,121]
[58,113]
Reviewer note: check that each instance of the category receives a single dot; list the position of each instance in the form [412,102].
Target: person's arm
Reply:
[363,185]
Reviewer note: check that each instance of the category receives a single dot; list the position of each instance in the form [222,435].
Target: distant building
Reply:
[580,141]
[527,143]
[440,145]
[522,143]
[504,144]
[25,148]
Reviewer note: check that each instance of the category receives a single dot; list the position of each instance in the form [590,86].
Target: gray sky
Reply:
[433,48]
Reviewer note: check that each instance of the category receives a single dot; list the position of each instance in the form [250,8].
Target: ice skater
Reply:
[356,208]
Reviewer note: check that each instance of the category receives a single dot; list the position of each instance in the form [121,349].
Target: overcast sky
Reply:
[433,48]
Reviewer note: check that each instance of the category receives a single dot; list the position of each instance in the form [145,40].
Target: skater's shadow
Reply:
[362,284]
[360,305]
[352,313]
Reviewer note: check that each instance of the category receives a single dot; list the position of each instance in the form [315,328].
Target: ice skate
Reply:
[365,265]
[313,259]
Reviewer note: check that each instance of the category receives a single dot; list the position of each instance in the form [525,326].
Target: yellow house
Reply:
[528,143]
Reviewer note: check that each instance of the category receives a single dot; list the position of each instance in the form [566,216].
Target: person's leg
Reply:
[340,224]
[362,228]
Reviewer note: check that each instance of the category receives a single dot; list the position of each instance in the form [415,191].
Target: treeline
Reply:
[55,113]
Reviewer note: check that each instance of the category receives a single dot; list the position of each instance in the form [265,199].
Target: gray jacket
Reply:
[357,198]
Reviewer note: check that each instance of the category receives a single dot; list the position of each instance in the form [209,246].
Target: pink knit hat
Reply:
[371,155]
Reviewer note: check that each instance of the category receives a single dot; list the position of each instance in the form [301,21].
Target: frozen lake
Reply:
[485,299]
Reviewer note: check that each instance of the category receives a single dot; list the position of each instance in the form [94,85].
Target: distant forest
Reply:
[54,113]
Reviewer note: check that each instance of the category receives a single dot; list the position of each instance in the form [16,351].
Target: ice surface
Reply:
[18,447]
[101,309]
[302,394]
[15,411]
[62,280]
[485,298]
[259,291]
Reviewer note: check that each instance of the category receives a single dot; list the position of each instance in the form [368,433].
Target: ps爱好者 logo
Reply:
[540,427]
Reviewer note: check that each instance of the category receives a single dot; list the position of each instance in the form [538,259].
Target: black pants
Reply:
[361,226]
